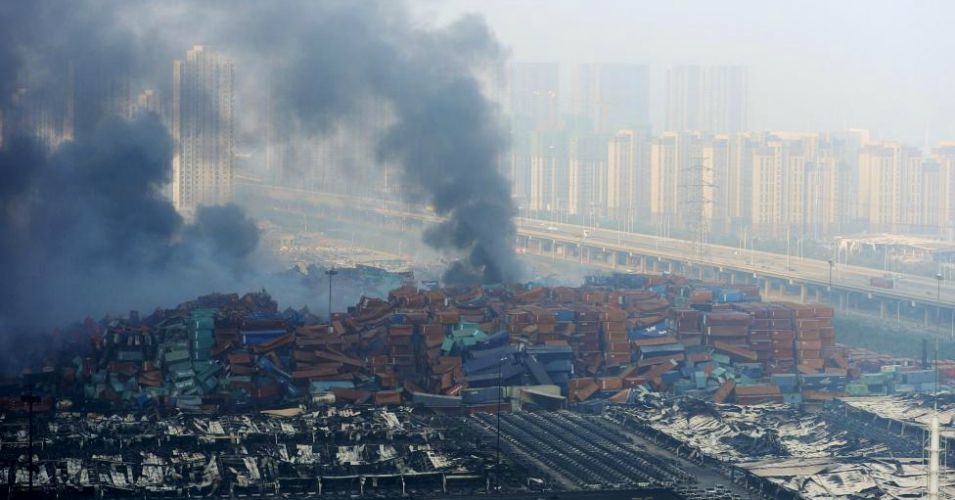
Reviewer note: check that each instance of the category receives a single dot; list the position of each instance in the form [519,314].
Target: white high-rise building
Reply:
[628,168]
[202,128]
[890,186]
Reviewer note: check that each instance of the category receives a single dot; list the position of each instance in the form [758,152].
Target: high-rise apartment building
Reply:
[548,173]
[889,178]
[785,195]
[827,187]
[628,168]
[534,96]
[587,177]
[726,161]
[708,98]
[944,207]
[767,188]
[681,183]
[202,128]
[611,97]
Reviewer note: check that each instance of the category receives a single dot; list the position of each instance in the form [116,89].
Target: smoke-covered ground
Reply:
[84,225]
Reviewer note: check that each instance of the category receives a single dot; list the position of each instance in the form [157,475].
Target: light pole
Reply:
[30,399]
[331,273]
[829,289]
[500,398]
[938,300]
[938,320]
[788,235]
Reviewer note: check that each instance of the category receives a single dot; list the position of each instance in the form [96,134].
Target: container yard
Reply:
[628,382]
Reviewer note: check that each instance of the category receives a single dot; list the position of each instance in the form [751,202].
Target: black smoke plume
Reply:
[84,225]
[86,228]
[334,57]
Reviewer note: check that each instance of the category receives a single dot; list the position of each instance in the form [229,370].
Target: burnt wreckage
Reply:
[406,371]
[325,451]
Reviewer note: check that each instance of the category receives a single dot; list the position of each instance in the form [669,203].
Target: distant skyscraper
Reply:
[710,98]
[889,186]
[681,183]
[720,159]
[534,96]
[587,177]
[611,97]
[944,192]
[628,192]
[202,127]
[548,173]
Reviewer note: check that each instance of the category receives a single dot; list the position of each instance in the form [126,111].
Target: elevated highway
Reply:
[807,280]
[912,298]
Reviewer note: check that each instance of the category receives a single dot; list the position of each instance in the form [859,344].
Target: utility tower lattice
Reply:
[697,202]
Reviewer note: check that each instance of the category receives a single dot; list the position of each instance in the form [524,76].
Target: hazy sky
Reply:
[882,65]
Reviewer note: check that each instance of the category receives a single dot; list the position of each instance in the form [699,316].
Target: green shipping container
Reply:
[855,389]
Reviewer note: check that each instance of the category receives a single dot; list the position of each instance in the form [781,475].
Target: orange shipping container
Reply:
[814,345]
[610,383]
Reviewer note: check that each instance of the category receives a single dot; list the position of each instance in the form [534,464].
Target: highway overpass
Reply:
[912,298]
[806,280]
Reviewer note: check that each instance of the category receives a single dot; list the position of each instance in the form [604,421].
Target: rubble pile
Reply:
[463,349]
[786,453]
[905,414]
[334,449]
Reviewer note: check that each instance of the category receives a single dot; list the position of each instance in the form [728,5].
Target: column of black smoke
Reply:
[333,56]
[84,228]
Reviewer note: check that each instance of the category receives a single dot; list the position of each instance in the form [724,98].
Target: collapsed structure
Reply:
[858,448]
[627,347]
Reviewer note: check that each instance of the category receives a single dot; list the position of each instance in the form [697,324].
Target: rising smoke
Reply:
[334,57]
[84,226]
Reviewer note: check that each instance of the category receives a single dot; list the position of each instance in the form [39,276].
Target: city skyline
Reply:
[769,184]
[583,142]
[582,160]
[814,65]
[838,120]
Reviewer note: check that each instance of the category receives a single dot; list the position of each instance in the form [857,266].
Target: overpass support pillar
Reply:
[802,293]
[925,316]
[818,295]
[614,258]
[642,259]
[655,265]
[882,308]
[767,287]
[732,278]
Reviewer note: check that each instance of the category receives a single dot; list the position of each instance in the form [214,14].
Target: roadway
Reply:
[788,268]
[747,260]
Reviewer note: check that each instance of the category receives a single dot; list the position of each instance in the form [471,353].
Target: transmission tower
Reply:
[697,202]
